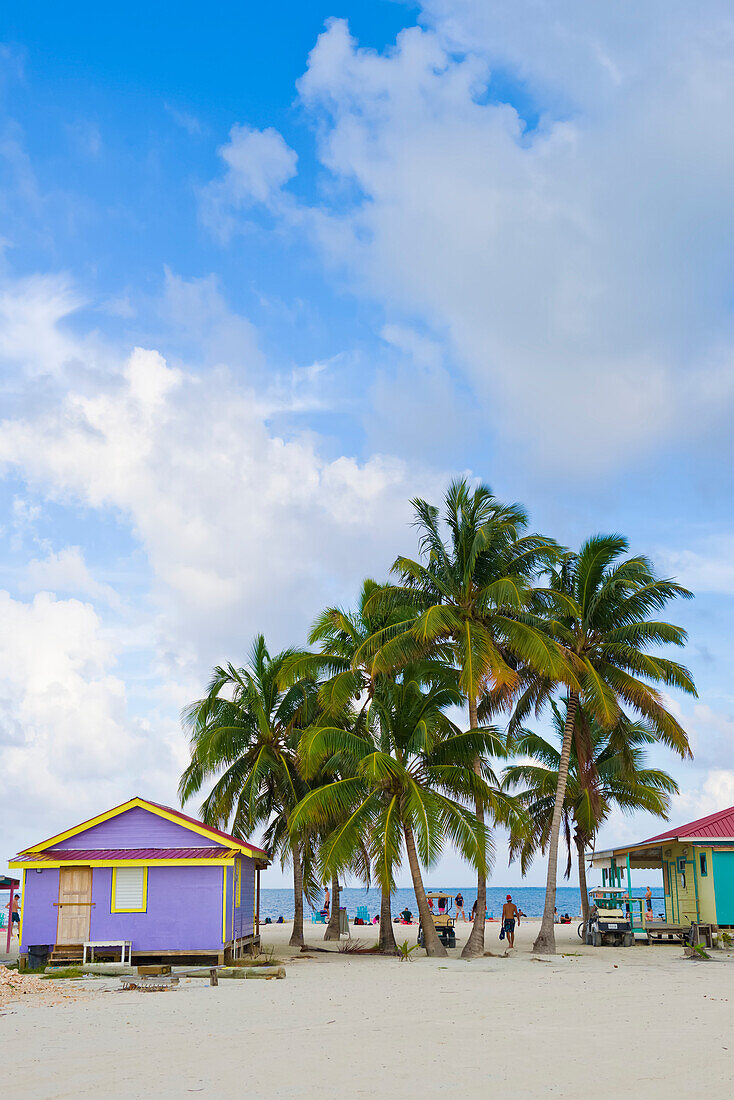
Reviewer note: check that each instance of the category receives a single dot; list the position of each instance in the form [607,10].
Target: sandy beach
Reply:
[641,1018]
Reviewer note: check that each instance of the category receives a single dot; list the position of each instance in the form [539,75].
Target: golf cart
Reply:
[441,904]
[610,919]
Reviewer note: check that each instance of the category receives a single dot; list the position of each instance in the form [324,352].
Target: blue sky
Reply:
[359,250]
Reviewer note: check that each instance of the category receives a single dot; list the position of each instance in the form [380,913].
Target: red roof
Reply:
[719,825]
[143,854]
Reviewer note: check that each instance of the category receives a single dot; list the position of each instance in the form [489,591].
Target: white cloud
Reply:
[576,269]
[188,122]
[242,529]
[707,568]
[65,571]
[32,337]
[258,164]
[199,321]
[67,742]
[716,793]
[24,514]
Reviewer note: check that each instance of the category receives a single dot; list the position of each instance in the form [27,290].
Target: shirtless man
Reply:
[12,906]
[510,915]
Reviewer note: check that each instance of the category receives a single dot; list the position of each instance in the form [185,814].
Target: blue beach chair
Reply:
[318,918]
[363,914]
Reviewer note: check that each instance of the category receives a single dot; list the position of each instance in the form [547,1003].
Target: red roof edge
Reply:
[209,828]
[702,826]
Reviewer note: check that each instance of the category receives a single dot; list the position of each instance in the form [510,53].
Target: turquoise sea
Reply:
[530,899]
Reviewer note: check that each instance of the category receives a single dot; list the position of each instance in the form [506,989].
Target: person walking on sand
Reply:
[327,902]
[14,915]
[459,902]
[510,914]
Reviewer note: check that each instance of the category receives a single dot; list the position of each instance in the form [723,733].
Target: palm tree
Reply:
[606,769]
[411,775]
[244,736]
[466,600]
[345,678]
[598,608]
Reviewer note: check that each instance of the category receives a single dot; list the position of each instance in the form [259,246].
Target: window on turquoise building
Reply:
[702,864]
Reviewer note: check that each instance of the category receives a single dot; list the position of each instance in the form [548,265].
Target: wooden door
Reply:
[75,909]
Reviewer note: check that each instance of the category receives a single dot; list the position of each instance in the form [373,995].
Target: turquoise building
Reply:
[697,864]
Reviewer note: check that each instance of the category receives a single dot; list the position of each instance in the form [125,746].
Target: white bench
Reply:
[122,944]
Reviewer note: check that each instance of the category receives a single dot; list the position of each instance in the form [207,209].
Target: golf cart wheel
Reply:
[596,939]
[452,939]
[629,939]
[581,931]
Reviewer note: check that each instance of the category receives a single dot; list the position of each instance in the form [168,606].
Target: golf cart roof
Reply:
[439,894]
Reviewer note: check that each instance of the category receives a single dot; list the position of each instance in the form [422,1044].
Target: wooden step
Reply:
[67,952]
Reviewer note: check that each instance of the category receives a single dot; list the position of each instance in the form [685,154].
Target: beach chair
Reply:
[363,913]
[318,918]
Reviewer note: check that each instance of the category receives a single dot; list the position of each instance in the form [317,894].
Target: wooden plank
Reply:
[74,908]
[182,951]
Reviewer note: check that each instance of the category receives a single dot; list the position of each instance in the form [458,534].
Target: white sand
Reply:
[585,1025]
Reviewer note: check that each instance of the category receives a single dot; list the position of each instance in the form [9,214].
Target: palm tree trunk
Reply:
[581,848]
[296,939]
[332,929]
[432,943]
[545,944]
[474,946]
[387,933]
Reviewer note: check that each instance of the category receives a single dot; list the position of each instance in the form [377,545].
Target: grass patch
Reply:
[68,973]
[261,960]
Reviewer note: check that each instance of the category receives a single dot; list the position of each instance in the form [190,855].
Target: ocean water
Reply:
[530,899]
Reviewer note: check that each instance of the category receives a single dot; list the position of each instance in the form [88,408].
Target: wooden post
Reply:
[10,919]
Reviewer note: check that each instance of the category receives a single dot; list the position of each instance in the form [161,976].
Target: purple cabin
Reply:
[147,875]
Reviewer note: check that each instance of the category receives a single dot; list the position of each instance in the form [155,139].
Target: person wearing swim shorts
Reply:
[510,915]
[14,914]
[459,901]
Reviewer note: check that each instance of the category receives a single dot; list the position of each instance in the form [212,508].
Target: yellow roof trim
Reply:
[140,803]
[40,864]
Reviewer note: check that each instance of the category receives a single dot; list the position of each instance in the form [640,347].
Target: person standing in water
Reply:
[510,915]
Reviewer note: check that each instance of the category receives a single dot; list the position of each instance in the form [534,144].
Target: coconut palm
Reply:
[598,607]
[466,599]
[244,737]
[606,769]
[412,773]
[346,678]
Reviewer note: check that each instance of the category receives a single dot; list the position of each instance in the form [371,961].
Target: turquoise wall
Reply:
[724,886]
